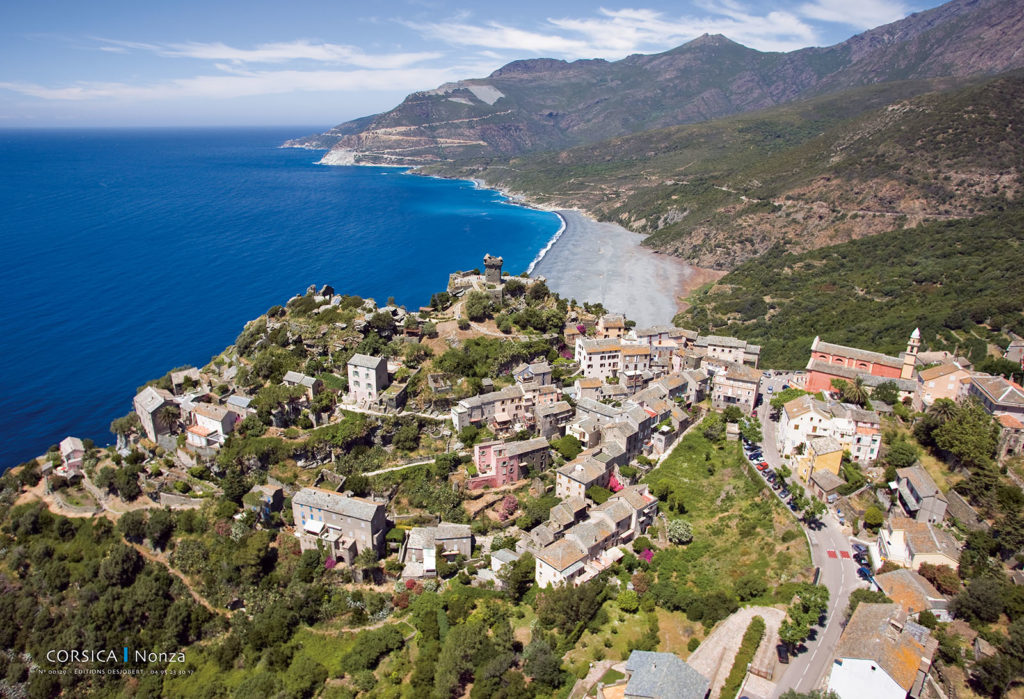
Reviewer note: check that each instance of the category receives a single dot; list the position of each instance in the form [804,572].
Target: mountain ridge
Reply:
[543,104]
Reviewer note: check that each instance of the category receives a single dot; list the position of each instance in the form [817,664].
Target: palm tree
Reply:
[168,414]
[942,410]
[855,392]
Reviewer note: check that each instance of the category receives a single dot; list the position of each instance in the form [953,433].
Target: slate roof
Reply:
[150,399]
[742,372]
[296,378]
[1000,391]
[825,445]
[71,444]
[603,345]
[801,405]
[923,538]
[856,353]
[214,412]
[507,393]
[553,408]
[870,380]
[562,554]
[826,480]
[366,361]
[720,341]
[526,446]
[337,503]
[872,634]
[446,531]
[663,676]
[922,482]
[583,469]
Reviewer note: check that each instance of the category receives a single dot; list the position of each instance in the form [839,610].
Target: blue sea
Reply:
[129,252]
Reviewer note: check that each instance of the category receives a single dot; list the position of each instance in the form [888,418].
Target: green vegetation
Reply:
[736,533]
[748,647]
[871,293]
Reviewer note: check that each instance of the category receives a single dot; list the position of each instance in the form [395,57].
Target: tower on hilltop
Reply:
[492,265]
[910,357]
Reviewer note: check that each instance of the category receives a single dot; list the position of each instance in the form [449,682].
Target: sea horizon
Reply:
[135,250]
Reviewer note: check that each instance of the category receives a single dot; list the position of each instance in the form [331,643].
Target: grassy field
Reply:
[738,528]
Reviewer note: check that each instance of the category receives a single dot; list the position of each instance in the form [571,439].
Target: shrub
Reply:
[751,640]
[692,644]
[680,531]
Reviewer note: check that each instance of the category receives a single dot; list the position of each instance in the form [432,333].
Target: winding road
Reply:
[807,670]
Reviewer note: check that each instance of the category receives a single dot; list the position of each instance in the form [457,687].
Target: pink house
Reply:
[501,463]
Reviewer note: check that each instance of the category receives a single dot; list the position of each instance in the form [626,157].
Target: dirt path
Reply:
[715,655]
[162,560]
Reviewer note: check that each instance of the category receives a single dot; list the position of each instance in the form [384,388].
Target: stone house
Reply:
[737,386]
[147,404]
[919,496]
[500,463]
[367,378]
[344,526]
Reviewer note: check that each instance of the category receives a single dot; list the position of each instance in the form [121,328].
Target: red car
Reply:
[762,466]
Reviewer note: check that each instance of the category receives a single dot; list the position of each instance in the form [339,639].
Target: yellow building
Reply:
[823,454]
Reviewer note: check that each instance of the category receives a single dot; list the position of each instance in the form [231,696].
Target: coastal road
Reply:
[828,543]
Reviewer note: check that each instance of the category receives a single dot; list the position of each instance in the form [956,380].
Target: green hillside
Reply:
[805,175]
[955,280]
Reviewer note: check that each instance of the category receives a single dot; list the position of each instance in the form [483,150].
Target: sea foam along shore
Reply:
[551,243]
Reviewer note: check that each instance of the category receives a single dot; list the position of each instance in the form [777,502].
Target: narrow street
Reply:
[806,670]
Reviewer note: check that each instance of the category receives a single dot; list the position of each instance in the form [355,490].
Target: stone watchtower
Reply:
[492,265]
[910,357]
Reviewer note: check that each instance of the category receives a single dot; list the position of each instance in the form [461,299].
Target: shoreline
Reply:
[598,262]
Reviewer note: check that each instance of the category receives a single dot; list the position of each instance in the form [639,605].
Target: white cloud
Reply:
[862,14]
[244,84]
[277,52]
[618,33]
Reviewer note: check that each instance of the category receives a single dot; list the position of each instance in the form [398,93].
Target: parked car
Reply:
[864,573]
[792,505]
[863,559]
[776,485]
[859,548]
[762,466]
[783,652]
[784,493]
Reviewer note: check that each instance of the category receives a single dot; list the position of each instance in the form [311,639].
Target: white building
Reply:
[806,418]
[367,377]
[211,424]
[599,359]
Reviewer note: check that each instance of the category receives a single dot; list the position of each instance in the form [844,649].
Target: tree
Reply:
[518,576]
[541,663]
[628,601]
[943,578]
[887,392]
[477,305]
[902,454]
[970,435]
[120,566]
[750,430]
[382,323]
[680,531]
[234,486]
[863,595]
[732,414]
[814,509]
[126,425]
[132,525]
[568,446]
[982,600]
[874,517]
[160,527]
[750,586]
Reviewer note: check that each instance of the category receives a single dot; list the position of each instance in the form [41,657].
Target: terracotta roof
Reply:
[201,431]
[613,321]
[924,538]
[1009,421]
[879,632]
[635,350]
[589,383]
[583,469]
[909,590]
[937,372]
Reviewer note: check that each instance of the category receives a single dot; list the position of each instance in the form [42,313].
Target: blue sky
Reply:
[260,62]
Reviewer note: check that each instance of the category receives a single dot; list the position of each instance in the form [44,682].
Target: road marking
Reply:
[831,553]
[844,554]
